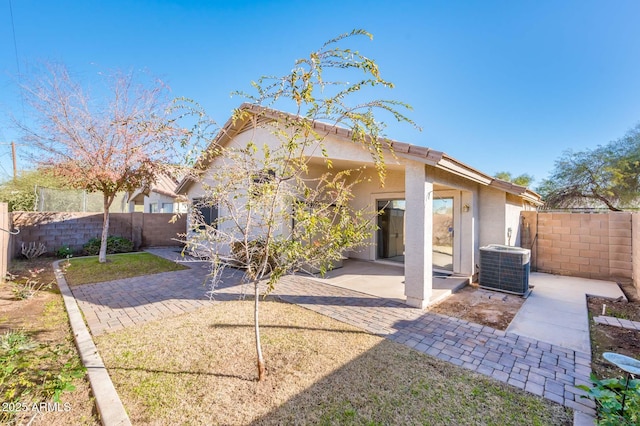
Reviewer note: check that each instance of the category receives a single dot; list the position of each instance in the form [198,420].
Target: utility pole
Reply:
[13,156]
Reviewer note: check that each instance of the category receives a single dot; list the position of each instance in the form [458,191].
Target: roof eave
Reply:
[522,191]
[401,149]
[454,166]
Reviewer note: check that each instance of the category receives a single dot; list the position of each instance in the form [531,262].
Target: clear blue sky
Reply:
[499,85]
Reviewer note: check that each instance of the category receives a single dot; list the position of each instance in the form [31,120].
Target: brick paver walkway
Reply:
[543,369]
[113,305]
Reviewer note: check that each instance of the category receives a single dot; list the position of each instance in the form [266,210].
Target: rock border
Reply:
[617,322]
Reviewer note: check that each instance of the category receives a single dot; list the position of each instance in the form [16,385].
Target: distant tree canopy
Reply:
[606,176]
[522,180]
[20,193]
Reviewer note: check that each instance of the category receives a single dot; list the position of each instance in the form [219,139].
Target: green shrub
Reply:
[609,394]
[64,252]
[114,245]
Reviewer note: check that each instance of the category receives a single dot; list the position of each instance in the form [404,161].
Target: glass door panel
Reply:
[390,239]
[443,233]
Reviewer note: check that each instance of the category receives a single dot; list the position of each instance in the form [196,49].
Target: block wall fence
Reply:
[56,230]
[591,245]
[5,238]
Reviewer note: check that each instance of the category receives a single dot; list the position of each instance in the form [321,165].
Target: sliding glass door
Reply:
[443,233]
[391,231]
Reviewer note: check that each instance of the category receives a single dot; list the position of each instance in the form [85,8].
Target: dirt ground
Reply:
[486,307]
[606,338]
[44,318]
[495,309]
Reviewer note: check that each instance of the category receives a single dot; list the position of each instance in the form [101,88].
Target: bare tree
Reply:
[115,141]
[276,213]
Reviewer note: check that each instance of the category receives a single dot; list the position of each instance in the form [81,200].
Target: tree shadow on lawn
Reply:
[318,371]
[392,384]
[251,378]
[178,372]
[289,327]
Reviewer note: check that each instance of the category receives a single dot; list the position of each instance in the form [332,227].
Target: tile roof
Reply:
[423,154]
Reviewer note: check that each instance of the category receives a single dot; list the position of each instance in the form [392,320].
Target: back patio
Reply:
[539,365]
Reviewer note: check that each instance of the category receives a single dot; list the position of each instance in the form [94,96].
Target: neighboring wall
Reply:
[635,249]
[590,245]
[56,230]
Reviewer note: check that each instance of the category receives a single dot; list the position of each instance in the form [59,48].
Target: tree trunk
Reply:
[102,257]
[260,362]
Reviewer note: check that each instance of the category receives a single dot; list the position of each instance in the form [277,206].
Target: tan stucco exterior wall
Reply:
[513,207]
[482,214]
[159,199]
[492,216]
[367,192]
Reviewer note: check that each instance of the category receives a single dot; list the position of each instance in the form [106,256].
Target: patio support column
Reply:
[468,233]
[418,263]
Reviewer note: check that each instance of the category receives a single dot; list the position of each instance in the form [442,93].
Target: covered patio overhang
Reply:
[412,233]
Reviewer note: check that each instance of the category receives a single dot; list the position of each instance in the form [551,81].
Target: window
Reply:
[208,211]
[167,207]
[153,208]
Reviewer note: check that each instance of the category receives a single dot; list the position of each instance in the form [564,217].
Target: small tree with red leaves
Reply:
[116,141]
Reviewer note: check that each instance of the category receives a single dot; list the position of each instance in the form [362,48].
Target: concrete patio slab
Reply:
[385,280]
[556,310]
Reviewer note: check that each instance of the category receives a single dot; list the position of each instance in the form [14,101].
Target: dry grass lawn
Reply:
[87,270]
[199,368]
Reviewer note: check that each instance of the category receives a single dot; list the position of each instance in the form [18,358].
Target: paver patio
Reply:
[541,368]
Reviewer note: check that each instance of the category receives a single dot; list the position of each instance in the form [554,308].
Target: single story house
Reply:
[158,198]
[436,211]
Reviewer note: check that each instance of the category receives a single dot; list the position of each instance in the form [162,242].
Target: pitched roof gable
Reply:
[164,185]
[422,154]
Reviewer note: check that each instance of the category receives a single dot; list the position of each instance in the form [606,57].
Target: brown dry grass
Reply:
[199,368]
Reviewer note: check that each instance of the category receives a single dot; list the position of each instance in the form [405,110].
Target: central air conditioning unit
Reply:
[505,268]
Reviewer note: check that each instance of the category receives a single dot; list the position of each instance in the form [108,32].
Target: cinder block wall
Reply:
[590,245]
[56,230]
[5,239]
[158,231]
